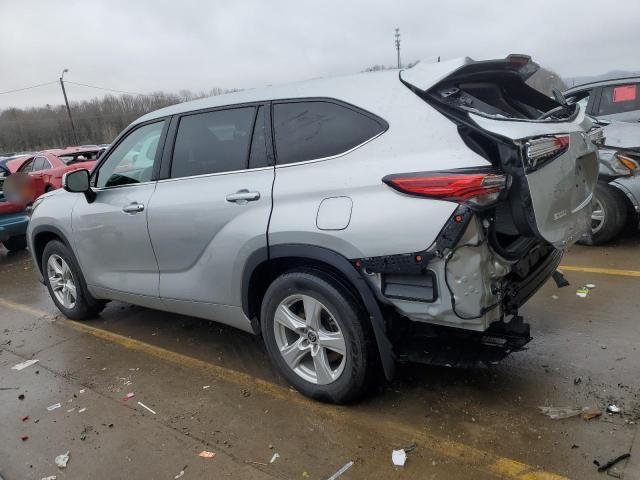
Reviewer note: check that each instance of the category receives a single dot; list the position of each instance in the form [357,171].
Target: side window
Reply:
[317,129]
[212,142]
[131,161]
[619,99]
[258,156]
[27,167]
[39,163]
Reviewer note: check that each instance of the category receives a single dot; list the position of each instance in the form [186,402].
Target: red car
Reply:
[47,167]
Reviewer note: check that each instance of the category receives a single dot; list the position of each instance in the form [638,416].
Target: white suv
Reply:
[349,221]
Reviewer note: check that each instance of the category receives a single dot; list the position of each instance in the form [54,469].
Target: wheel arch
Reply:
[41,236]
[265,264]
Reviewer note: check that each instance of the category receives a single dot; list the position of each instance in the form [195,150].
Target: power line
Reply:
[101,88]
[28,88]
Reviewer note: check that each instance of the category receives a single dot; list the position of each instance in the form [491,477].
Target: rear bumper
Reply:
[13,224]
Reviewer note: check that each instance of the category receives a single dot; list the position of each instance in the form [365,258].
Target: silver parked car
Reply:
[616,99]
[349,221]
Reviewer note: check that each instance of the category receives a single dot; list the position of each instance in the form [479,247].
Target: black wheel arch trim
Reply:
[340,263]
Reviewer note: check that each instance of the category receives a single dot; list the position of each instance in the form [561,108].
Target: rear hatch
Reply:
[540,142]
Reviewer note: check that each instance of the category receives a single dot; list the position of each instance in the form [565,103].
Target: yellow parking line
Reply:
[496,465]
[605,271]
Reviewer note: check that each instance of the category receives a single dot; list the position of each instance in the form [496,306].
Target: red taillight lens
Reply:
[477,189]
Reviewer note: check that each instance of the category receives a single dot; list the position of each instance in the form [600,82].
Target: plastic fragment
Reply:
[274,458]
[25,364]
[50,477]
[61,460]
[399,457]
[71,410]
[82,391]
[557,413]
[82,410]
[582,292]
[51,408]
[589,413]
[128,396]
[344,468]
[613,409]
[145,407]
[205,387]
[590,285]
[205,454]
[181,473]
[24,438]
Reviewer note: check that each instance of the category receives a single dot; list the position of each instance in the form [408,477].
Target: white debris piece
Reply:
[399,457]
[50,477]
[341,471]
[205,387]
[181,474]
[25,364]
[54,406]
[613,409]
[61,460]
[145,407]
[590,285]
[82,410]
[274,458]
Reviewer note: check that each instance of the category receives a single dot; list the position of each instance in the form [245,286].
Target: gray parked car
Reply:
[617,196]
[350,221]
[616,99]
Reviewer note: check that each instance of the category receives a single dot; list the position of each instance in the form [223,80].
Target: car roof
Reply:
[601,83]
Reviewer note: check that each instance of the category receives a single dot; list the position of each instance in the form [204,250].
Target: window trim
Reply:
[381,121]
[119,139]
[170,142]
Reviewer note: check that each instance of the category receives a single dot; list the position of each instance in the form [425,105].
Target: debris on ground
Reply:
[399,457]
[180,473]
[410,448]
[51,408]
[245,392]
[25,418]
[128,396]
[577,380]
[590,286]
[205,454]
[82,410]
[21,396]
[589,413]
[555,297]
[205,387]
[274,458]
[611,463]
[146,408]
[611,408]
[558,413]
[582,292]
[24,438]
[25,364]
[50,477]
[344,468]
[61,460]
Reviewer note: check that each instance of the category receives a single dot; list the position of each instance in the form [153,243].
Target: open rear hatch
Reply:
[540,142]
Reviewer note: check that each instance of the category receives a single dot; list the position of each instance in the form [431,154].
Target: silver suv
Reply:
[352,222]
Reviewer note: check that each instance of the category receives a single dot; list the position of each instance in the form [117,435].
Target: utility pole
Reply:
[397,37]
[64,92]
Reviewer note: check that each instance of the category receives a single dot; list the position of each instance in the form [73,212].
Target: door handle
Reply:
[243,196]
[133,207]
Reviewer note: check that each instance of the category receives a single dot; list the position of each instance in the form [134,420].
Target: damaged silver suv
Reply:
[352,222]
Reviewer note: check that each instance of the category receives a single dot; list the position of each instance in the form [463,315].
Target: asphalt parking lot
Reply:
[212,388]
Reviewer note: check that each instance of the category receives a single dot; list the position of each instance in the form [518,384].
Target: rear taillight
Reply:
[475,189]
[544,148]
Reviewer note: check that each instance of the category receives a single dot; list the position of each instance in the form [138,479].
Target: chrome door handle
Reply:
[243,196]
[133,208]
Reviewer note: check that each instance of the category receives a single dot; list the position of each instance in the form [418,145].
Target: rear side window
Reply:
[619,99]
[318,129]
[212,142]
[40,163]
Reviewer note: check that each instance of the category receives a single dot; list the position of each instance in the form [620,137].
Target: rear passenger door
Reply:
[211,210]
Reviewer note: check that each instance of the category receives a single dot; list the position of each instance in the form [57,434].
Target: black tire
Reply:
[352,320]
[86,306]
[13,244]
[615,215]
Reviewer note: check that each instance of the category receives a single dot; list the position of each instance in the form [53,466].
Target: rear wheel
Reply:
[65,283]
[13,244]
[608,217]
[316,333]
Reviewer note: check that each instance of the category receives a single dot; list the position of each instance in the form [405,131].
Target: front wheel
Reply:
[13,244]
[608,217]
[317,334]
[65,283]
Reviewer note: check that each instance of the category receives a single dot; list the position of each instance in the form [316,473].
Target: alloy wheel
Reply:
[61,281]
[309,339]
[597,216]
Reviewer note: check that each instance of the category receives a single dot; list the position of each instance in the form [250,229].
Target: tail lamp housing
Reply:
[540,150]
[476,188]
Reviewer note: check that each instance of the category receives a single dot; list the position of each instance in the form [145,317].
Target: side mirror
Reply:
[78,182]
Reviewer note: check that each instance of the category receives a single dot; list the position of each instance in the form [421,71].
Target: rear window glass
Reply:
[212,142]
[619,99]
[79,157]
[318,129]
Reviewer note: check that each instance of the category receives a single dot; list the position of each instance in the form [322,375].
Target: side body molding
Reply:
[341,264]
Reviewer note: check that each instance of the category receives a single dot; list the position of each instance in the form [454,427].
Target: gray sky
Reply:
[143,46]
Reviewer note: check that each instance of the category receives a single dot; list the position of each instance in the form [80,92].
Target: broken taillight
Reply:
[545,148]
[473,188]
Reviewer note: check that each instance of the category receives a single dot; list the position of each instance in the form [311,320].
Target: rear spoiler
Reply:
[426,75]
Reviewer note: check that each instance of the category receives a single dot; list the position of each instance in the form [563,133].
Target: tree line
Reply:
[96,121]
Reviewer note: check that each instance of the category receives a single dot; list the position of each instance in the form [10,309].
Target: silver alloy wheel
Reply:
[597,216]
[309,339]
[61,281]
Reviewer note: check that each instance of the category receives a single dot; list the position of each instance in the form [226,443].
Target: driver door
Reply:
[110,234]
